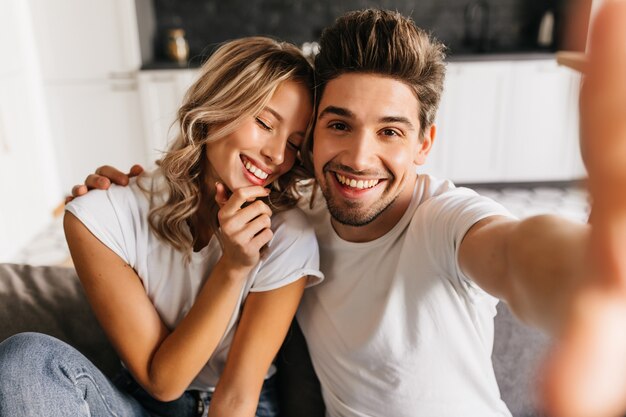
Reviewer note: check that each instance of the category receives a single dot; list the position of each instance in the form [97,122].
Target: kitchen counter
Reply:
[503,56]
[196,62]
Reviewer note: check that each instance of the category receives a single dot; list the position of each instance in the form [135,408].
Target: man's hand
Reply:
[585,374]
[102,179]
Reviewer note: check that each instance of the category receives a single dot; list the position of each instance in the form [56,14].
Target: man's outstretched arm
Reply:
[569,278]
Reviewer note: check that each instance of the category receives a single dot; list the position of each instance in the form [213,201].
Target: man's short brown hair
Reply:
[386,43]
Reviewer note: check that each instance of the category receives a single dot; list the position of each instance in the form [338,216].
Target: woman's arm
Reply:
[165,362]
[264,323]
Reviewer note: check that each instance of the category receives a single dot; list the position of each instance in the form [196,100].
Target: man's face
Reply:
[366,147]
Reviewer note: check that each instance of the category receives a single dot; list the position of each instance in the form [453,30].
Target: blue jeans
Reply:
[43,376]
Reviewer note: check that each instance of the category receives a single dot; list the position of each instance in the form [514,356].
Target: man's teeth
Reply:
[360,184]
[256,171]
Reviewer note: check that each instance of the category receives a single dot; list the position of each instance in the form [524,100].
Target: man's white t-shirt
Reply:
[396,329]
[118,217]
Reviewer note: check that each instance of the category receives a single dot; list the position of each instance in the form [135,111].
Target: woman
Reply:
[193,284]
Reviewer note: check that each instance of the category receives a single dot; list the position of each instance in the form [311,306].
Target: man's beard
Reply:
[352,214]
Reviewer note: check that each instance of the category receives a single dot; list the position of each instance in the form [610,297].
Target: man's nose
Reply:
[359,151]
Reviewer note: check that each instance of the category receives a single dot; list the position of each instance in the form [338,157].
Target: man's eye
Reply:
[264,125]
[338,126]
[389,132]
[293,146]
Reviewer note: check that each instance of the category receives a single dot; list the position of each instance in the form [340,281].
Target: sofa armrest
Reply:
[51,300]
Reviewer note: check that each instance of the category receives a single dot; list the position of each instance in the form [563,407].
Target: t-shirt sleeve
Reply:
[447,218]
[291,254]
[108,215]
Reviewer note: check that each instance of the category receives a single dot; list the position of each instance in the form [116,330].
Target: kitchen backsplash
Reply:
[466,26]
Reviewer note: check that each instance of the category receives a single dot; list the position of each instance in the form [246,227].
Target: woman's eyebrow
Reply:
[274,112]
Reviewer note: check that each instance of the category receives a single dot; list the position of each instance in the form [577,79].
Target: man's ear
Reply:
[425,145]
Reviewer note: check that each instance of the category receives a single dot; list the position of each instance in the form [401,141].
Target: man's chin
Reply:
[351,219]
[356,216]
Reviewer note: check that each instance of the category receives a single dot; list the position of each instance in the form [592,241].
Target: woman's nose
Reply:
[274,150]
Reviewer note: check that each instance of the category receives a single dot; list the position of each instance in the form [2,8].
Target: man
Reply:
[403,323]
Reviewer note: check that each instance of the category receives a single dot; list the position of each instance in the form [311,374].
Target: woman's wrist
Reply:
[233,270]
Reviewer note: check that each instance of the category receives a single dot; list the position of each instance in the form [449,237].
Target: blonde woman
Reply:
[195,271]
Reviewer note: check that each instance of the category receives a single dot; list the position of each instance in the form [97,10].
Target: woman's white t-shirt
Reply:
[118,217]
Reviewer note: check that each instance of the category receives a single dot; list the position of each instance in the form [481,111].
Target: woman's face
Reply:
[264,146]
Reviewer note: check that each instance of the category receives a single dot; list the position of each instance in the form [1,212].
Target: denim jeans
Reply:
[43,376]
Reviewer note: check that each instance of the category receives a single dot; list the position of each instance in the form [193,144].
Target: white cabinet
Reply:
[542,139]
[28,184]
[89,58]
[29,187]
[507,121]
[94,124]
[162,93]
[80,39]
[471,121]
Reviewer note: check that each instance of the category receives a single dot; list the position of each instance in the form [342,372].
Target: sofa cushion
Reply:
[517,353]
[50,300]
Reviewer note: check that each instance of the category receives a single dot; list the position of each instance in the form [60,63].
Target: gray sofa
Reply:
[50,300]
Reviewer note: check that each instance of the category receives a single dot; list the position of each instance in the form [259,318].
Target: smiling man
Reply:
[403,324]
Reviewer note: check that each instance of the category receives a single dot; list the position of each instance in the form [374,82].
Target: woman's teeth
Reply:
[256,171]
[360,184]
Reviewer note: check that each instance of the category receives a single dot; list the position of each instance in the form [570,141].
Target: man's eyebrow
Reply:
[398,119]
[341,111]
[274,112]
[338,111]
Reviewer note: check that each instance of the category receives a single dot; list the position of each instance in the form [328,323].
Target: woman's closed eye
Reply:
[265,125]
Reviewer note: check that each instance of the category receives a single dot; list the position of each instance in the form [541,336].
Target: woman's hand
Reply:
[244,230]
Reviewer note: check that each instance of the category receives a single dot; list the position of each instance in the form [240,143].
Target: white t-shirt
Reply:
[396,329]
[118,217]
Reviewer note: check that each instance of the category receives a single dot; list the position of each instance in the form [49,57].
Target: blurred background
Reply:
[90,82]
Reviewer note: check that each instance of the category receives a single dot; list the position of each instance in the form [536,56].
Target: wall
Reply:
[512,24]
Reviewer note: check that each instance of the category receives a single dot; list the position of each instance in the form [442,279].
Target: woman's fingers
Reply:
[245,228]
[221,197]
[261,239]
[239,198]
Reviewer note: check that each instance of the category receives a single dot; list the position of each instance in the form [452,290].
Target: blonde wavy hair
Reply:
[236,82]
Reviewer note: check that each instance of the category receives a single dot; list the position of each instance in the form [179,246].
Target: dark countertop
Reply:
[165,65]
[454,57]
[504,56]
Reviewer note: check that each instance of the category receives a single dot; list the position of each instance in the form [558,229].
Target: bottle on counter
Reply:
[176,47]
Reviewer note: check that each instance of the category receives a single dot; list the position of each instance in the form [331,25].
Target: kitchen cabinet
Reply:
[470,122]
[162,93]
[499,121]
[89,59]
[507,121]
[29,187]
[542,142]
[86,40]
[94,124]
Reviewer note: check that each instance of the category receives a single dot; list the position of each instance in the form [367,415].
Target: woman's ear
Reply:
[425,145]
